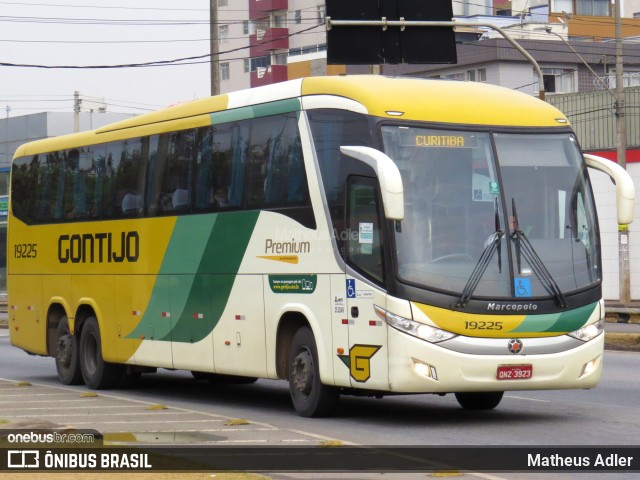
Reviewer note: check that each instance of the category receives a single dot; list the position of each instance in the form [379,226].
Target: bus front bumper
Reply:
[418,366]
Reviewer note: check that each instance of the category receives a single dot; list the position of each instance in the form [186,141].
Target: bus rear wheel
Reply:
[97,373]
[309,396]
[66,355]
[479,400]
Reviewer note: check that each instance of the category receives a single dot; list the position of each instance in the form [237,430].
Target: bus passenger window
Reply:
[124,174]
[276,166]
[220,166]
[24,188]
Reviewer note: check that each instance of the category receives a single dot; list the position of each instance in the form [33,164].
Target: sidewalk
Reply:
[625,312]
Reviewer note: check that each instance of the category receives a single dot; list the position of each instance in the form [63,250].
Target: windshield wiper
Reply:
[493,243]
[525,249]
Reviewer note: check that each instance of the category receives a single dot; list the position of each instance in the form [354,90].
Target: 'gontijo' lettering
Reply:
[99,247]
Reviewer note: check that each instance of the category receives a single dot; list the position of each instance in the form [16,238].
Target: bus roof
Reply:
[439,101]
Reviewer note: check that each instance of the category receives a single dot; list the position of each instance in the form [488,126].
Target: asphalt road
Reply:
[199,413]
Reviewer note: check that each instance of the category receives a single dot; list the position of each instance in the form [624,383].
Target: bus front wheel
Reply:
[479,400]
[97,373]
[309,396]
[66,355]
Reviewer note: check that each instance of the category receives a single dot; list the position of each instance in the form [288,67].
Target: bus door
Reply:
[368,354]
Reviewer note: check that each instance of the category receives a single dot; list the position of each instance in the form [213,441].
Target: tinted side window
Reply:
[276,175]
[332,129]
[124,179]
[364,244]
[79,184]
[23,188]
[51,187]
[220,167]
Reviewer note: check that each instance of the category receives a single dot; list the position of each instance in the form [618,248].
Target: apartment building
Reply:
[270,41]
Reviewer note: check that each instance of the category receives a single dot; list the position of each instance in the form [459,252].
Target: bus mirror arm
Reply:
[625,190]
[388,175]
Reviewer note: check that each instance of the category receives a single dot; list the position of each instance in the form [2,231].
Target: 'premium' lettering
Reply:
[271,247]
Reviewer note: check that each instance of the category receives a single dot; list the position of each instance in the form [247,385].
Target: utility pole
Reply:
[76,111]
[621,133]
[213,36]
[6,131]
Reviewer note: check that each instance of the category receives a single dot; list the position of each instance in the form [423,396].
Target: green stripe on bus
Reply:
[557,322]
[183,254]
[196,276]
[254,111]
[573,319]
[217,272]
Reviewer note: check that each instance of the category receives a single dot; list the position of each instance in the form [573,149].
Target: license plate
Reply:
[514,372]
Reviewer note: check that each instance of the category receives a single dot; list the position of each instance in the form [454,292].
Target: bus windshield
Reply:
[464,190]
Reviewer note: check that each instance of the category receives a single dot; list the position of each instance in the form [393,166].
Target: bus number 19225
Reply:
[25,250]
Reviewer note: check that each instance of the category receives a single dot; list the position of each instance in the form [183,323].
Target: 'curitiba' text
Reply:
[99,247]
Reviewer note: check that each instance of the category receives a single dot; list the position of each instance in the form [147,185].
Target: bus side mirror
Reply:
[625,190]
[388,176]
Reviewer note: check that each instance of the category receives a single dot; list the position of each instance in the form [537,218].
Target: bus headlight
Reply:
[588,332]
[416,329]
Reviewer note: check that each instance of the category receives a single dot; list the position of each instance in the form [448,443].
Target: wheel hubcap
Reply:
[302,372]
[64,351]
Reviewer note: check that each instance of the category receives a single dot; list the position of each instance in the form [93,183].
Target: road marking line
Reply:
[76,391]
[528,398]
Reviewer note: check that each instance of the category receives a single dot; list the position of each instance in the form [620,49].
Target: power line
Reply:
[155,63]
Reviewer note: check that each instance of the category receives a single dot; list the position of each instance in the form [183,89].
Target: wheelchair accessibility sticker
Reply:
[522,287]
[351,288]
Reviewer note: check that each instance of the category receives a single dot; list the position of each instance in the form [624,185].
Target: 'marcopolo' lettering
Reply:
[99,248]
[514,307]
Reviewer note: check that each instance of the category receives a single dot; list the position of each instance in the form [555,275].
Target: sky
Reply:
[102,33]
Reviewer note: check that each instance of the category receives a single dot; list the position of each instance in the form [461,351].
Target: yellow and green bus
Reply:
[352,235]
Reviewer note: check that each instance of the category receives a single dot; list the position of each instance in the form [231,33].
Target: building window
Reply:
[598,8]
[471,75]
[631,78]
[223,33]
[558,80]
[280,20]
[260,62]
[298,16]
[321,14]
[562,6]
[454,76]
[279,59]
[482,74]
[247,65]
[224,71]
[245,27]
[223,3]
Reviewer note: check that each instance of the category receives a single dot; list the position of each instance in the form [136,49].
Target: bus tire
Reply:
[479,400]
[97,373]
[66,355]
[309,396]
